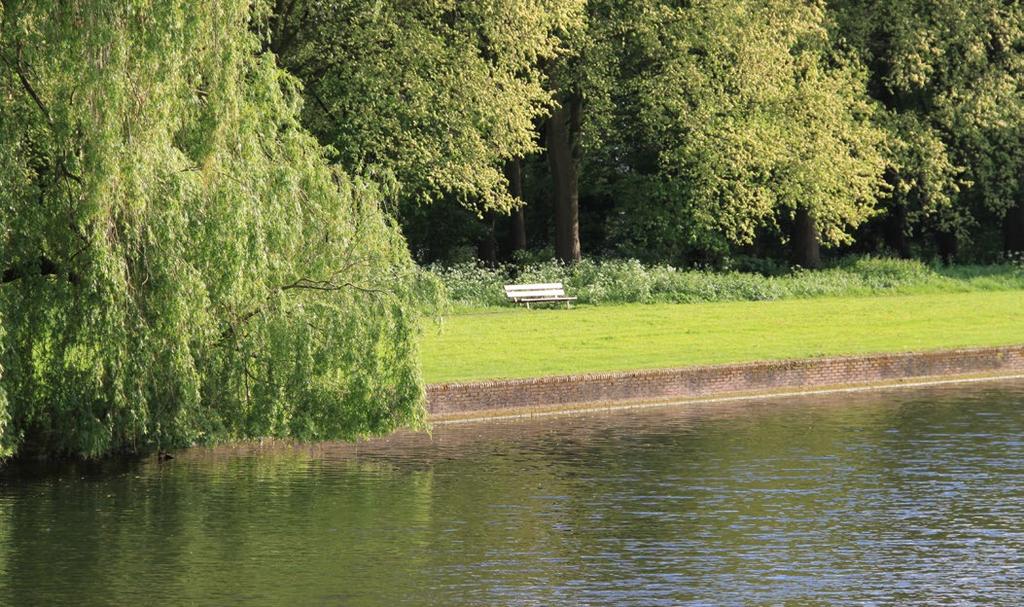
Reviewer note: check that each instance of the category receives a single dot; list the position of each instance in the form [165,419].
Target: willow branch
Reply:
[325,285]
[25,84]
[300,284]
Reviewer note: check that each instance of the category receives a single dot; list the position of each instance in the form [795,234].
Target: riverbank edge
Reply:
[494,399]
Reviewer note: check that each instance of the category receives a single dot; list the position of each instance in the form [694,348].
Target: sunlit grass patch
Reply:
[515,343]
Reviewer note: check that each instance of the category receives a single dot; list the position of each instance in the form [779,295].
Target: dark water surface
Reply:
[901,497]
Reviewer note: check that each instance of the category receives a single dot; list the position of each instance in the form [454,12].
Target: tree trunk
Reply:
[1013,229]
[806,248]
[896,232]
[487,249]
[948,245]
[563,128]
[514,173]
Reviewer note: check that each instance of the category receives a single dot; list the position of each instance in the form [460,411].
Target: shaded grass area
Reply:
[517,343]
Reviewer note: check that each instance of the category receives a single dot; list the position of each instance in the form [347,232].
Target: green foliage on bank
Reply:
[180,263]
[470,285]
[202,204]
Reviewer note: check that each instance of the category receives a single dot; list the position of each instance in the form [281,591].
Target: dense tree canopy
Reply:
[179,261]
[673,131]
[438,94]
[949,75]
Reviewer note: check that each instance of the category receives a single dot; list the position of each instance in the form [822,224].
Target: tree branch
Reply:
[17,68]
[320,102]
[64,172]
[302,283]
[324,285]
[32,93]
[25,84]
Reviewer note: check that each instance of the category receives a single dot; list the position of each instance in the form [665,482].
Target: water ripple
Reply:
[884,499]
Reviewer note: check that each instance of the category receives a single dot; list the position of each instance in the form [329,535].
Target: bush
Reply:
[470,284]
[629,281]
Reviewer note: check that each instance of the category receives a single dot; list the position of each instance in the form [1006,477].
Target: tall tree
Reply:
[438,94]
[580,81]
[737,115]
[562,140]
[178,260]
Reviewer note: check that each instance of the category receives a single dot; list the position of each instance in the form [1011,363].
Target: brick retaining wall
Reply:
[565,392]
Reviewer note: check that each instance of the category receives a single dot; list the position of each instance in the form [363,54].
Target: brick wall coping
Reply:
[486,398]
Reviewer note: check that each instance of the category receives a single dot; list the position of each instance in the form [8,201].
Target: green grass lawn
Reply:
[515,343]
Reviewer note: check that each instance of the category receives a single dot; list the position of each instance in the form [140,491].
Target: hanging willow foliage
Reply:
[179,262]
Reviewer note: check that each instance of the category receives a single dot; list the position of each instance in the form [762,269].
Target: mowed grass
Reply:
[518,343]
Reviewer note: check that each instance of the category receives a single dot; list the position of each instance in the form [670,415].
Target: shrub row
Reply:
[629,281]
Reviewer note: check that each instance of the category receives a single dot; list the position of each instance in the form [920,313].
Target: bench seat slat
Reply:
[533,287]
[541,299]
[545,293]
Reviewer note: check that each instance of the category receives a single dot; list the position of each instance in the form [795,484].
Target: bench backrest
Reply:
[541,290]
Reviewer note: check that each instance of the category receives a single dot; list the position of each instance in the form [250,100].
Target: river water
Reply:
[888,498]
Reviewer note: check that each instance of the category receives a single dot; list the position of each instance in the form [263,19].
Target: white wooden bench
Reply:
[549,292]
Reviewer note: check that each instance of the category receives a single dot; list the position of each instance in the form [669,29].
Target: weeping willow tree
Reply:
[179,262]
